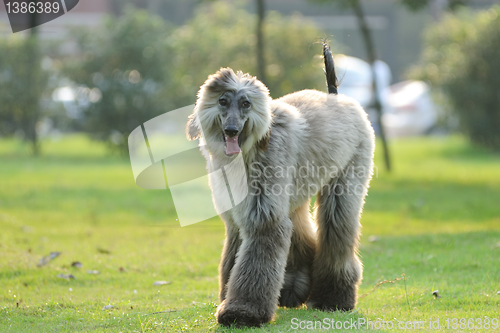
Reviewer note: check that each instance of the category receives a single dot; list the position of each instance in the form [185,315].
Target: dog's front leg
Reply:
[257,276]
[231,245]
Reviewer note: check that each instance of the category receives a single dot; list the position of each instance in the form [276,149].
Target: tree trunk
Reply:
[261,66]
[31,114]
[370,50]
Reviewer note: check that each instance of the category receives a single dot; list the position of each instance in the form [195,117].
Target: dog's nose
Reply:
[231,131]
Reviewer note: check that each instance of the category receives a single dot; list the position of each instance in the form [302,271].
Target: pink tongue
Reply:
[232,146]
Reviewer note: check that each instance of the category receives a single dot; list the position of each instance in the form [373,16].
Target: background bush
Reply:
[223,35]
[22,83]
[462,58]
[137,66]
[122,74]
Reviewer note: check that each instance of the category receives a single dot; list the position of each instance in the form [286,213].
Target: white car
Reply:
[355,77]
[407,106]
[411,109]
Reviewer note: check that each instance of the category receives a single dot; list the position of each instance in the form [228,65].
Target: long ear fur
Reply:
[263,143]
[192,130]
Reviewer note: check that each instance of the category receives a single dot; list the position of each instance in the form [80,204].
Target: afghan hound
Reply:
[303,144]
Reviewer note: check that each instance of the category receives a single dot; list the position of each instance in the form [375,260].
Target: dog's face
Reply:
[234,107]
[232,111]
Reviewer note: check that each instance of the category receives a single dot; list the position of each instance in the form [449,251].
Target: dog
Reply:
[303,144]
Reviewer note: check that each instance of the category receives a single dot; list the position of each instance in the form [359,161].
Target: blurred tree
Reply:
[461,58]
[22,83]
[10,51]
[123,71]
[357,8]
[136,67]
[261,64]
[222,34]
[370,50]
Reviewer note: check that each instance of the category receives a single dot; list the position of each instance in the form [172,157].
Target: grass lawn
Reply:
[435,220]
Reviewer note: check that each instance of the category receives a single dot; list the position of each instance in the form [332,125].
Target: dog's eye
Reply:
[246,104]
[223,102]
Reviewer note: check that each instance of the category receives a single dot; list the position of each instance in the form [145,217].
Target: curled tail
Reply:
[331,77]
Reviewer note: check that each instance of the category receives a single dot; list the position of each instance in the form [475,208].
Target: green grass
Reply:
[436,218]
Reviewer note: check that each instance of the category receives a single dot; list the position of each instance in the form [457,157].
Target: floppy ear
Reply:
[263,143]
[192,130]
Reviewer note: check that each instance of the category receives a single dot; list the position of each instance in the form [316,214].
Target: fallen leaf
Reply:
[45,260]
[77,264]
[121,269]
[66,276]
[161,283]
[103,251]
[94,272]
[107,307]
[54,255]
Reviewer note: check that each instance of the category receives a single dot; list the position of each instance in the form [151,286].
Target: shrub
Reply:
[121,73]
[137,67]
[461,58]
[222,34]
[22,83]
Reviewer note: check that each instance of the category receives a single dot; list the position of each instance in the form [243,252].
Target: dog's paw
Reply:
[296,288]
[330,306]
[333,300]
[241,314]
[291,299]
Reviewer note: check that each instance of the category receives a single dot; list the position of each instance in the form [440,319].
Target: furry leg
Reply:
[298,271]
[337,270]
[257,275]
[231,246]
